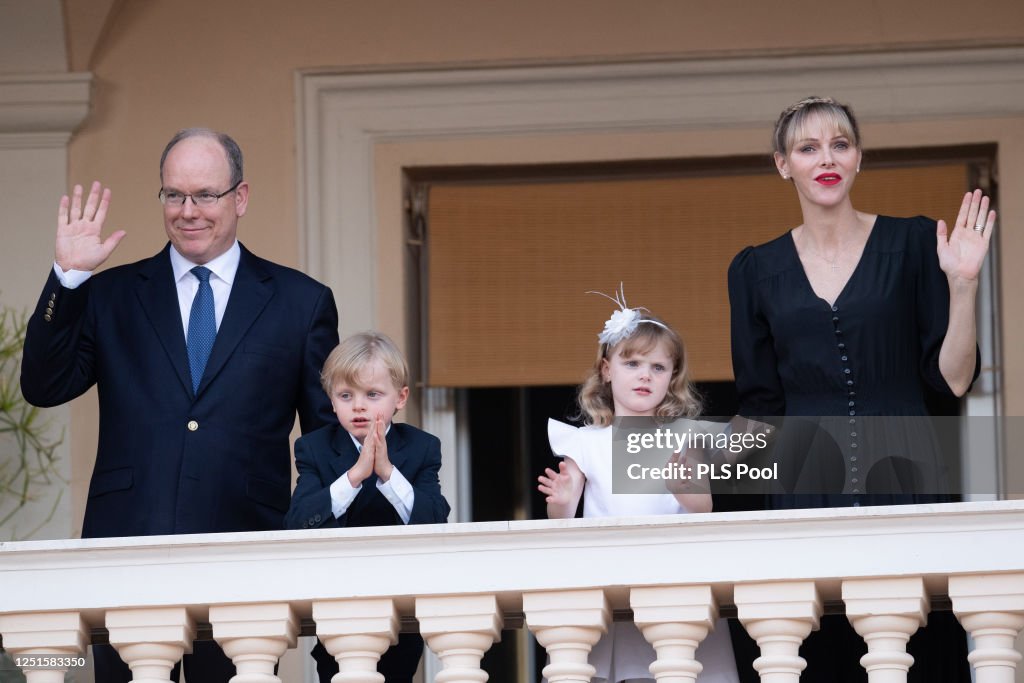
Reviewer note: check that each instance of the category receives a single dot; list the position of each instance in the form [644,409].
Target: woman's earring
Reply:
[785,176]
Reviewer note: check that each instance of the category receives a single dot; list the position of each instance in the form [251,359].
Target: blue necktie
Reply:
[202,326]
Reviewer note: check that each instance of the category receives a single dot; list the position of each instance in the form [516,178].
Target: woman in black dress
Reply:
[849,315]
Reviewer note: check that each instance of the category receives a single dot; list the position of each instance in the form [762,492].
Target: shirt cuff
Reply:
[342,495]
[71,279]
[399,493]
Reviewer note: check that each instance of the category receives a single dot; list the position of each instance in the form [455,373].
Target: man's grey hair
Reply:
[231,150]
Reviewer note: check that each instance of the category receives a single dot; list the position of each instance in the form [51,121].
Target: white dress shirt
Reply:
[222,269]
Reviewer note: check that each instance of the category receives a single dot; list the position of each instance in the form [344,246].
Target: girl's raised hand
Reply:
[562,487]
[688,482]
[962,253]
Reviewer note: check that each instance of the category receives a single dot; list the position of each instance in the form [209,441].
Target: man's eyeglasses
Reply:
[175,198]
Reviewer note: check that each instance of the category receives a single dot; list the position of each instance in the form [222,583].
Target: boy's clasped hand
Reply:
[373,458]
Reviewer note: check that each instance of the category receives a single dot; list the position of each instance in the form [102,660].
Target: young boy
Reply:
[367,470]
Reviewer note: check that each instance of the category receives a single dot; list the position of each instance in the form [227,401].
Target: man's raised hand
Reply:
[79,246]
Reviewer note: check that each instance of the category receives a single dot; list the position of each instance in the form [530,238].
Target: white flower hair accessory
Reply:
[624,321]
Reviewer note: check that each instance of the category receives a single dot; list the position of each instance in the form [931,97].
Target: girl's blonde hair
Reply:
[682,399]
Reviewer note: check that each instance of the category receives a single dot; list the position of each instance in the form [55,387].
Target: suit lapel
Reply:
[158,295]
[396,446]
[252,289]
[345,453]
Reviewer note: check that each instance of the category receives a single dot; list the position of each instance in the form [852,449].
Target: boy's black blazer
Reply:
[327,453]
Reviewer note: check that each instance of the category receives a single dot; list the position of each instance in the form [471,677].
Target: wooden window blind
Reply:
[509,264]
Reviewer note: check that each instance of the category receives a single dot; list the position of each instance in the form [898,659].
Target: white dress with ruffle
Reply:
[623,654]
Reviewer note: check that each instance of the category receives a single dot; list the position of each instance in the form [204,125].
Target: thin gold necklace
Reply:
[832,265]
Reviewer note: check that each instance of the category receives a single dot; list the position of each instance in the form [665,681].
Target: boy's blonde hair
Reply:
[682,399]
[349,358]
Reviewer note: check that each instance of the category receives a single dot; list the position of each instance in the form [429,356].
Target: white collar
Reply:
[224,266]
[359,446]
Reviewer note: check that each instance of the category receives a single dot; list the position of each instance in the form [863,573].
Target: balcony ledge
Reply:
[509,558]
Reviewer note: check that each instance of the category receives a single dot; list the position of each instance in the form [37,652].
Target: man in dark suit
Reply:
[202,354]
[365,470]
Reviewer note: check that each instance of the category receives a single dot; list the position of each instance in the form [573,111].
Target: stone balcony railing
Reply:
[564,580]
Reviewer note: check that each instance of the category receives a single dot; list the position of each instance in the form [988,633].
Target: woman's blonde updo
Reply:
[790,126]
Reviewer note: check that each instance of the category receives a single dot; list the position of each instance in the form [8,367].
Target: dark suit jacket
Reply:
[171,461]
[326,454]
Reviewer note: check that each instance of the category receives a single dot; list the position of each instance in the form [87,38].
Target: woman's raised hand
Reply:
[962,253]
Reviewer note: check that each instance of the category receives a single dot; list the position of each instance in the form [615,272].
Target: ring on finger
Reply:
[979,228]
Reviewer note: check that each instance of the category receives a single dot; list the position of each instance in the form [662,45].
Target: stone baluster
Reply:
[674,619]
[460,629]
[356,633]
[886,613]
[60,638]
[779,615]
[254,637]
[151,640]
[991,609]
[567,624]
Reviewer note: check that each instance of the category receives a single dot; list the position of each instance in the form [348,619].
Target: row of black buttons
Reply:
[844,357]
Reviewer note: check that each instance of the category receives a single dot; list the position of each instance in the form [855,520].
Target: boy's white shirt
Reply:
[398,491]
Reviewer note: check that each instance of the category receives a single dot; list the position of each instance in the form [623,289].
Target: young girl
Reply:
[640,371]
